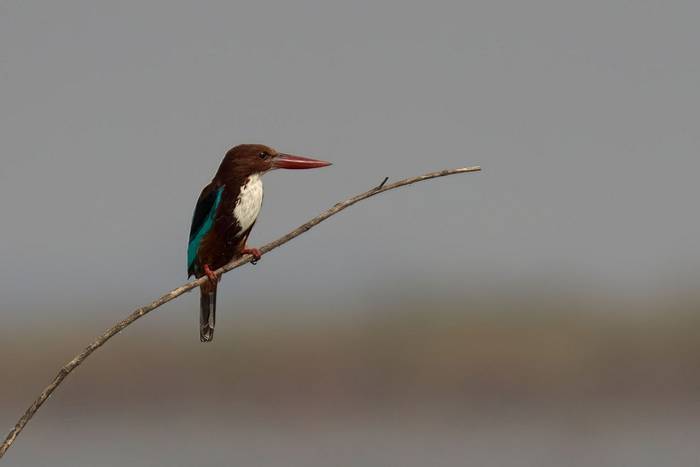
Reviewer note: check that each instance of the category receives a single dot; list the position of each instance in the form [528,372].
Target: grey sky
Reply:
[113,115]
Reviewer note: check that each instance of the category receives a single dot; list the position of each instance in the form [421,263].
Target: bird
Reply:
[225,214]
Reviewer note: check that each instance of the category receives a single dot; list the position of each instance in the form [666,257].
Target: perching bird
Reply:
[225,214]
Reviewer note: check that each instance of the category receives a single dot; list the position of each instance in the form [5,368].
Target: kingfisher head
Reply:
[249,159]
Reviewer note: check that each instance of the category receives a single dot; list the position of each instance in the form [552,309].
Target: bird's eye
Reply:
[263,155]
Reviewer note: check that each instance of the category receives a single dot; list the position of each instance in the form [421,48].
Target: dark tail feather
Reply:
[207,312]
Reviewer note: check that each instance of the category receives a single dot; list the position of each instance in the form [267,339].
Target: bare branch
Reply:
[173,294]
[378,187]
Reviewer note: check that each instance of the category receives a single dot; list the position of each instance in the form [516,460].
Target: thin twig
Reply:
[173,294]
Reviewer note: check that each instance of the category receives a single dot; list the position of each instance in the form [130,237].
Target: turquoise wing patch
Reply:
[202,222]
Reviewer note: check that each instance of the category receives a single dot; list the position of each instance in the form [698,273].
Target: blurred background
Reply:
[540,313]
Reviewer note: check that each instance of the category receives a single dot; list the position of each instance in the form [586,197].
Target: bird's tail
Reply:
[207,311]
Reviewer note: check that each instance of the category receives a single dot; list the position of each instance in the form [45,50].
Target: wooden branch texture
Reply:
[173,294]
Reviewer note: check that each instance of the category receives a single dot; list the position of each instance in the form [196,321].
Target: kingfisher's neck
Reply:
[252,180]
[234,179]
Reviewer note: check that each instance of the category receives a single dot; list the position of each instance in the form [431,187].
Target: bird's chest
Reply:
[249,202]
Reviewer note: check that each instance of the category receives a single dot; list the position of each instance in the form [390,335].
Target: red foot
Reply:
[257,254]
[210,274]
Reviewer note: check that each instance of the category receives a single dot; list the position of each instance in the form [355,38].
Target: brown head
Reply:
[248,159]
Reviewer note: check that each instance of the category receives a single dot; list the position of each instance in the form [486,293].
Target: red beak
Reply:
[287,161]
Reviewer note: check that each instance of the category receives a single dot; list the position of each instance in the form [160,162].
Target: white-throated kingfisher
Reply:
[225,214]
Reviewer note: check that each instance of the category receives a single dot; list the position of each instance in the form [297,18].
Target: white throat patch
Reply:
[249,202]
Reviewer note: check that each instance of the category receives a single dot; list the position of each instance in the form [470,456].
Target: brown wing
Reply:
[225,241]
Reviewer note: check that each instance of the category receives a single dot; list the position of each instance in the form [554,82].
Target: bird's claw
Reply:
[210,274]
[255,252]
